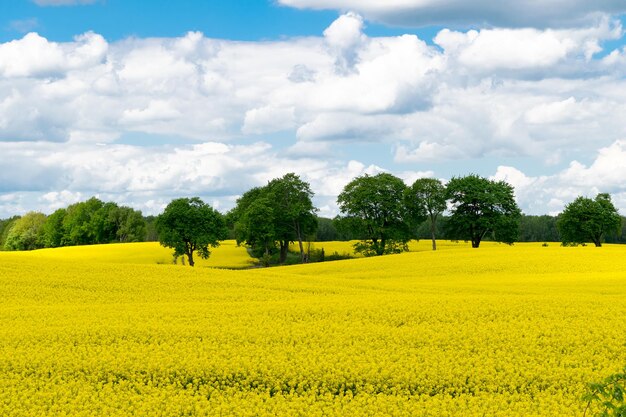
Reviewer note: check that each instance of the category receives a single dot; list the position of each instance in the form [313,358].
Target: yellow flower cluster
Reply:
[498,331]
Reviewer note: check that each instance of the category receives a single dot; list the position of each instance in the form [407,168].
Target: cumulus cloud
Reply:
[516,49]
[65,109]
[34,56]
[511,13]
[604,175]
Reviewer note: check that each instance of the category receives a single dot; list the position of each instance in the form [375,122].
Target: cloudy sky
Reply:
[140,102]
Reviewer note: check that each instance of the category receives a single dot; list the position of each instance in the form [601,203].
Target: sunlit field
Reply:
[227,255]
[497,331]
[347,247]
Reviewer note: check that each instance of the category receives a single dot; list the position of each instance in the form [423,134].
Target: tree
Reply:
[239,220]
[80,223]
[585,220]
[260,232]
[53,231]
[129,224]
[373,208]
[5,228]
[538,229]
[27,232]
[481,206]
[294,213]
[428,195]
[284,206]
[189,225]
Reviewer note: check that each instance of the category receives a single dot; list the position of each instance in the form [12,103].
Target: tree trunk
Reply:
[432,232]
[381,248]
[284,246]
[190,257]
[597,240]
[299,233]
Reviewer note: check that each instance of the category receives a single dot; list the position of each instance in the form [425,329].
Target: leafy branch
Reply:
[609,394]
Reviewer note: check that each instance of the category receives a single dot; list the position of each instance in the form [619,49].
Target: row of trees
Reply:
[89,222]
[381,211]
[386,214]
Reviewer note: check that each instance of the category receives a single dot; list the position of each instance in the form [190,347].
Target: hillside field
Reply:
[117,330]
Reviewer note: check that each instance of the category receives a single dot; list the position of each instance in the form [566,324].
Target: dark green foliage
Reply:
[189,225]
[586,220]
[53,229]
[427,197]
[538,229]
[374,209]
[271,217]
[326,230]
[129,225]
[260,232]
[294,218]
[619,236]
[607,396]
[27,232]
[479,207]
[151,232]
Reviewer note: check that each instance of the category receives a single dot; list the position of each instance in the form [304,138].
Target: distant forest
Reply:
[94,222]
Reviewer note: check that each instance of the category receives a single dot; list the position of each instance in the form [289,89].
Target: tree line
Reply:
[380,211]
[84,223]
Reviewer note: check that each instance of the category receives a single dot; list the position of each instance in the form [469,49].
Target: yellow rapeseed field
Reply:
[226,255]
[497,331]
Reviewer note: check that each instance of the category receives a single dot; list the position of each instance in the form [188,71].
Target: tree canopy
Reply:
[586,220]
[428,197]
[374,208]
[480,206]
[189,225]
[27,232]
[275,215]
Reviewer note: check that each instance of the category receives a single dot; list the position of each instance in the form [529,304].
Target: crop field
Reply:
[495,331]
[227,255]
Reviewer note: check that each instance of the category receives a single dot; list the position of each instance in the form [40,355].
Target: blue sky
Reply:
[140,102]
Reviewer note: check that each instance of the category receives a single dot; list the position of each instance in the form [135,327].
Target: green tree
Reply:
[5,228]
[53,229]
[585,220]
[129,224]
[80,223]
[428,196]
[237,220]
[538,229]
[373,208]
[289,216]
[480,206]
[27,232]
[294,213]
[260,233]
[189,225]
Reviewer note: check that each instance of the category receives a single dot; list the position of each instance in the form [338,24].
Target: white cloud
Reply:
[550,193]
[34,56]
[519,49]
[513,13]
[537,94]
[268,119]
[157,110]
